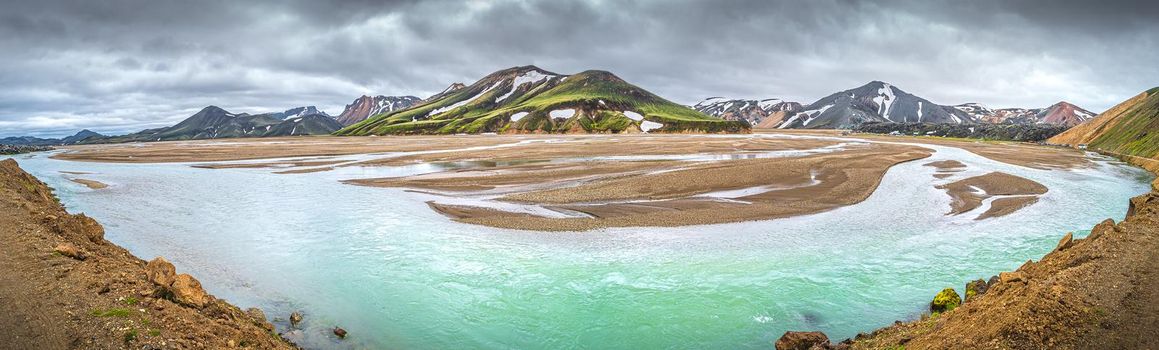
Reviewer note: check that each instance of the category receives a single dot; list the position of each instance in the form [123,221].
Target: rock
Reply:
[295,318]
[802,341]
[991,282]
[259,318]
[1066,242]
[975,289]
[183,288]
[1008,277]
[1102,228]
[69,250]
[946,300]
[341,333]
[160,272]
[187,290]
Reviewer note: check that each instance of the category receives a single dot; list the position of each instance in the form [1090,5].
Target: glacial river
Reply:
[381,264]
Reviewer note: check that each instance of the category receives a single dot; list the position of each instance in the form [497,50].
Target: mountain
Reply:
[81,136]
[1130,128]
[212,122]
[313,124]
[366,106]
[873,102]
[28,141]
[755,112]
[531,100]
[1062,114]
[298,112]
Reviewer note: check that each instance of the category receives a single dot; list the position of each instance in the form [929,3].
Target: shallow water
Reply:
[381,264]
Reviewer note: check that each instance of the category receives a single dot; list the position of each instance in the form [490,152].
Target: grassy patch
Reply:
[131,301]
[130,336]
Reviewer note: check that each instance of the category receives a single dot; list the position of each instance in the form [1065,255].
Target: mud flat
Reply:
[701,193]
[63,286]
[1009,194]
[92,184]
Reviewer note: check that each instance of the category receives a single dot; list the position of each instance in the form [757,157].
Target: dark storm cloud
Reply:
[118,66]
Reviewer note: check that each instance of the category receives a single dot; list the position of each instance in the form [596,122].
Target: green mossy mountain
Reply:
[531,100]
[1130,128]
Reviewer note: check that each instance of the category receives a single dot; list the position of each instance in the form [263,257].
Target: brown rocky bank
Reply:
[63,286]
[1091,293]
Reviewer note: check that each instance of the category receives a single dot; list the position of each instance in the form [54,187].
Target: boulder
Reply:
[69,250]
[1102,228]
[975,289]
[1066,242]
[946,300]
[183,288]
[160,272]
[802,341]
[259,318]
[341,333]
[187,291]
[1009,277]
[295,318]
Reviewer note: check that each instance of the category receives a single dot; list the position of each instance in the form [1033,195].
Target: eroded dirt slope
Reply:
[63,286]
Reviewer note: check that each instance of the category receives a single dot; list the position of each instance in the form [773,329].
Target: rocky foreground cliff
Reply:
[1092,293]
[63,286]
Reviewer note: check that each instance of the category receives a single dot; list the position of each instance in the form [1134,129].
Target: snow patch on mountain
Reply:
[464,102]
[532,77]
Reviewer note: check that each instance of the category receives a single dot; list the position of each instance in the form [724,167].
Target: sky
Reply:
[118,66]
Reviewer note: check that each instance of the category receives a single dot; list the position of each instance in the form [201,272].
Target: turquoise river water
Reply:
[395,274]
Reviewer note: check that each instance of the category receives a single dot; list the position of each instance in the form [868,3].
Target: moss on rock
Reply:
[946,300]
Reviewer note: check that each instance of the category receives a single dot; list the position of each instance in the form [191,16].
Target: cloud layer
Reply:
[117,66]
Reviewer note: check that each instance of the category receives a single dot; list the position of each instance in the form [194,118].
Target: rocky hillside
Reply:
[1131,128]
[366,106]
[769,111]
[63,286]
[873,102]
[1060,114]
[531,100]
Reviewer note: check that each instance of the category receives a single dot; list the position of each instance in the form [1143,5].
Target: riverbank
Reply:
[63,286]
[1095,292]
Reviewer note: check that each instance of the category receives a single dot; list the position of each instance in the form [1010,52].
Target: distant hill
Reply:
[768,111]
[79,137]
[1062,114]
[1130,128]
[873,102]
[531,100]
[366,106]
[213,122]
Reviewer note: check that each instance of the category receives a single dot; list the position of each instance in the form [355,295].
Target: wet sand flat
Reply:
[969,194]
[92,184]
[795,186]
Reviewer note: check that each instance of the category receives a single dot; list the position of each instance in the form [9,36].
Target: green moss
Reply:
[130,336]
[154,332]
[945,301]
[130,301]
[116,312]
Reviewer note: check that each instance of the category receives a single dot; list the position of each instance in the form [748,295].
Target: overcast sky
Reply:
[117,66]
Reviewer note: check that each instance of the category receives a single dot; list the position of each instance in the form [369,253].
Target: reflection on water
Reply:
[379,263]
